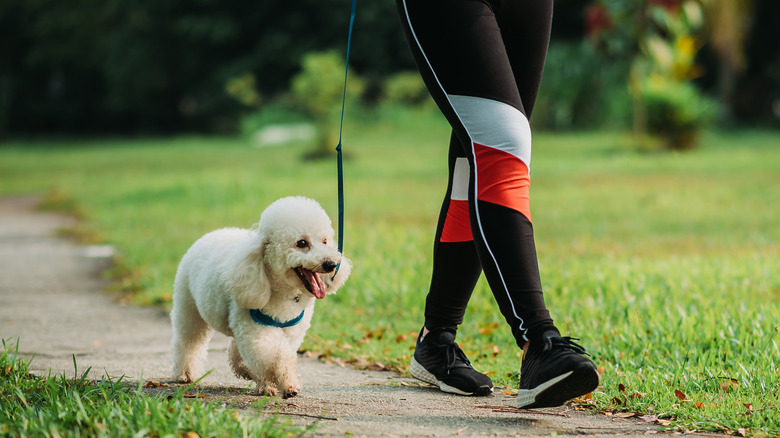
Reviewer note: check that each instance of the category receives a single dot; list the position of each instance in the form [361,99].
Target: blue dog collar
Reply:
[265,319]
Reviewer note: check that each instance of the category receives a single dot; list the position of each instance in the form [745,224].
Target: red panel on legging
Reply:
[502,179]
[457,227]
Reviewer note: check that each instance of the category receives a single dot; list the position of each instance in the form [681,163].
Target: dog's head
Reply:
[294,253]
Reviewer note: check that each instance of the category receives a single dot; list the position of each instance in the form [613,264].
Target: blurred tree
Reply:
[49,63]
[659,36]
[163,65]
[756,96]
[318,88]
[174,65]
[728,28]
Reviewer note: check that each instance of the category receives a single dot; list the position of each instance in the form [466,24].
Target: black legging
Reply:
[482,62]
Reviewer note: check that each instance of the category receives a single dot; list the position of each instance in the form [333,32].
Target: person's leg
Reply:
[460,51]
[481,81]
[456,265]
[456,268]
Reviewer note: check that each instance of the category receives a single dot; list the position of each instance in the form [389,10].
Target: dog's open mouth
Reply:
[312,282]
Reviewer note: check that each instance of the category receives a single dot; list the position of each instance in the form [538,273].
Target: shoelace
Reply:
[566,342]
[453,354]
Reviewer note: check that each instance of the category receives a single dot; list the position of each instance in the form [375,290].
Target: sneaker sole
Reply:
[420,373]
[557,391]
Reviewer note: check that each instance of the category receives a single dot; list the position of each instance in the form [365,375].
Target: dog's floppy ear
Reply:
[245,275]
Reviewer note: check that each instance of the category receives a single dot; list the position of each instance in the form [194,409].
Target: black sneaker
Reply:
[553,371]
[439,361]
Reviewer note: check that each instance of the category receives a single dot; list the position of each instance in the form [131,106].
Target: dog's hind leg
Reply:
[191,336]
[237,363]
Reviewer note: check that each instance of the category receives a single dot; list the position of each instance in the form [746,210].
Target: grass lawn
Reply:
[31,406]
[665,265]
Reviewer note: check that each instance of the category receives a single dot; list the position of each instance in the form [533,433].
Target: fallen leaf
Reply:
[585,398]
[376,366]
[495,350]
[730,384]
[649,418]
[401,338]
[191,434]
[720,426]
[508,392]
[621,387]
[742,431]
[154,384]
[663,422]
[601,369]
[749,406]
[487,330]
[698,405]
[636,396]
[679,394]
[625,414]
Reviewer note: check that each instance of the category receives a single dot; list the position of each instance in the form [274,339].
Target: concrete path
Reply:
[52,300]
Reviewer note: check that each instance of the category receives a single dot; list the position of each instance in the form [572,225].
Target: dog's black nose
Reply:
[329,266]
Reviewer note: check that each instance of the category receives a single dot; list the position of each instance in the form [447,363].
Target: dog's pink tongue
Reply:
[316,283]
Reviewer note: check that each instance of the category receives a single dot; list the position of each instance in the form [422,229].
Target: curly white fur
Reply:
[229,271]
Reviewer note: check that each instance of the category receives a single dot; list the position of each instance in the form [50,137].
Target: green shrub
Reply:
[676,111]
[406,88]
[581,90]
[318,90]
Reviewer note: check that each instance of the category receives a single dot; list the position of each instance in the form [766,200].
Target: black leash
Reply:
[339,157]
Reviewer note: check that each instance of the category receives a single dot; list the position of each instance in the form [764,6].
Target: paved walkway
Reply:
[52,300]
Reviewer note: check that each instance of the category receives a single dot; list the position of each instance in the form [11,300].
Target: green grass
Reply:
[665,265]
[32,406]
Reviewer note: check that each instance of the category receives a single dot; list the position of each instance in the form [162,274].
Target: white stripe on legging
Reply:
[460,180]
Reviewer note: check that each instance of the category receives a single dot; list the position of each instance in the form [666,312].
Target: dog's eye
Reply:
[302,244]
[324,241]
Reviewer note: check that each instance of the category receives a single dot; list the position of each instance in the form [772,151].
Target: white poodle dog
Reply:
[259,287]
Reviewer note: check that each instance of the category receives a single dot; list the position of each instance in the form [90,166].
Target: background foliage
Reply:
[143,66]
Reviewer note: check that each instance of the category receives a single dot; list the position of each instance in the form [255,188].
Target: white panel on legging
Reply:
[495,124]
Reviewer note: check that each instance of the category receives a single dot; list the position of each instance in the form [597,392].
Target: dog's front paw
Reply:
[182,377]
[291,391]
[267,389]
